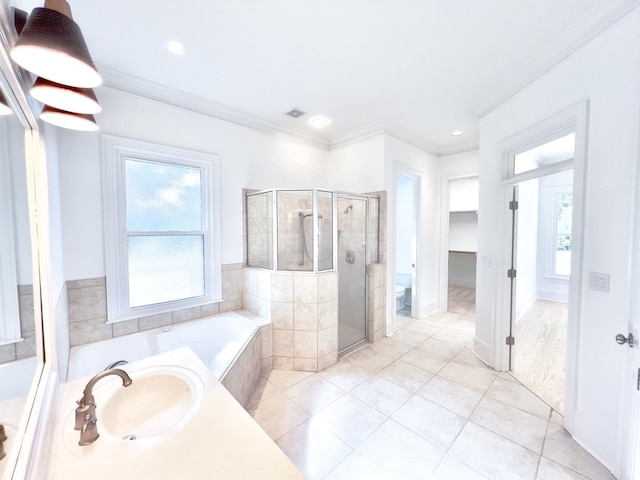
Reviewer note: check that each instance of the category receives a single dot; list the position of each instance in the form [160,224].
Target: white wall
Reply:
[249,159]
[607,73]
[459,164]
[463,194]
[359,167]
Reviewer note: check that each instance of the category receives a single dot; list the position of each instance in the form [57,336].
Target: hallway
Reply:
[418,405]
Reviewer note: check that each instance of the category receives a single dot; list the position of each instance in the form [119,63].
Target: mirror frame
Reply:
[14,84]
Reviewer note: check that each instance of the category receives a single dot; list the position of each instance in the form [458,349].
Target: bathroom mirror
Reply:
[21,351]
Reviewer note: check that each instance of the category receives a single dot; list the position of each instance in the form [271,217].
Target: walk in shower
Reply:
[315,231]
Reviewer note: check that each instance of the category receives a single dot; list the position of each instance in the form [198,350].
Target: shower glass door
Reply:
[352,264]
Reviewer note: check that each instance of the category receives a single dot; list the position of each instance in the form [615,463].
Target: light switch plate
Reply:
[599,282]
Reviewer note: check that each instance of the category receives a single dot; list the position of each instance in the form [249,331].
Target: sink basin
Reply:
[158,401]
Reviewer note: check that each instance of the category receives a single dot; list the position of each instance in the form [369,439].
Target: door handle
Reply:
[621,339]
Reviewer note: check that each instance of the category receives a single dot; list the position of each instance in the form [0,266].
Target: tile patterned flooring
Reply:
[418,405]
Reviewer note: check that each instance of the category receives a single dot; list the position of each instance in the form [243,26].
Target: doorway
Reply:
[462,245]
[406,247]
[352,263]
[540,274]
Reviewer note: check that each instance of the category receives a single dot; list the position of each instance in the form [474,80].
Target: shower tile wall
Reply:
[87,304]
[377,301]
[27,347]
[303,310]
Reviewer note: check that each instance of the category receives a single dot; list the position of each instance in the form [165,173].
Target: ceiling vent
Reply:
[295,113]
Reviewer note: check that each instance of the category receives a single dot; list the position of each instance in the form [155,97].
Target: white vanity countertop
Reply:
[221,440]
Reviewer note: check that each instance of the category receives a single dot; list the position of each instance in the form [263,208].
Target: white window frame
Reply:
[115,152]
[553,230]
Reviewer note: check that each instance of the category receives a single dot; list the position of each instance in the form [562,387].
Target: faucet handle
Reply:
[83,412]
[80,401]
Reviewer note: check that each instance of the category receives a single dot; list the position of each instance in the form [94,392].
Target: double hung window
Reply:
[161,228]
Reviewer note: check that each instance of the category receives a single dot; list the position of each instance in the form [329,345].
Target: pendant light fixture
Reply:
[63,97]
[70,120]
[51,45]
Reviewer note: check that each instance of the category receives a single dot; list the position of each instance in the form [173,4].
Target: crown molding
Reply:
[153,91]
[455,149]
[137,86]
[585,30]
[372,130]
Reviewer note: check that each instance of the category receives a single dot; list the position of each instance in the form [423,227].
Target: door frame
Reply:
[573,119]
[443,298]
[416,310]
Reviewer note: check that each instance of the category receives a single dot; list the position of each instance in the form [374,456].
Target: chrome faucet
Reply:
[86,420]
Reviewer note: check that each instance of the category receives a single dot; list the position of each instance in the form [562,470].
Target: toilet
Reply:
[400,292]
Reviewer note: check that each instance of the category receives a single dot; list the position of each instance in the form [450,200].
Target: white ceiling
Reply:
[421,68]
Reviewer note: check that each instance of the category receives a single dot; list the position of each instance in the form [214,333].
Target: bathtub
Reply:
[229,344]
[16,377]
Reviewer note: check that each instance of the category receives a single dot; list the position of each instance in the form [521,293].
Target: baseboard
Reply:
[428,308]
[482,351]
[595,440]
[553,296]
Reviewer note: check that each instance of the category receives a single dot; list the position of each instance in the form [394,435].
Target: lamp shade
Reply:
[4,106]
[70,120]
[63,97]
[51,45]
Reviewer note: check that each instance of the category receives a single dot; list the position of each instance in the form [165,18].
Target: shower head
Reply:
[346,210]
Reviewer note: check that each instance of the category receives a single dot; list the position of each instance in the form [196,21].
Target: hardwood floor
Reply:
[540,350]
[462,300]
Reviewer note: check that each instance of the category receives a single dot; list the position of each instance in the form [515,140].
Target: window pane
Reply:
[563,262]
[565,213]
[165,268]
[162,197]
[295,230]
[544,155]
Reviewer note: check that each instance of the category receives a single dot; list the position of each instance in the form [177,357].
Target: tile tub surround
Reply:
[243,376]
[418,404]
[87,306]
[303,310]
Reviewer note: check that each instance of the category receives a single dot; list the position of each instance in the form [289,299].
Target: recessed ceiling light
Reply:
[174,47]
[319,121]
[457,133]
